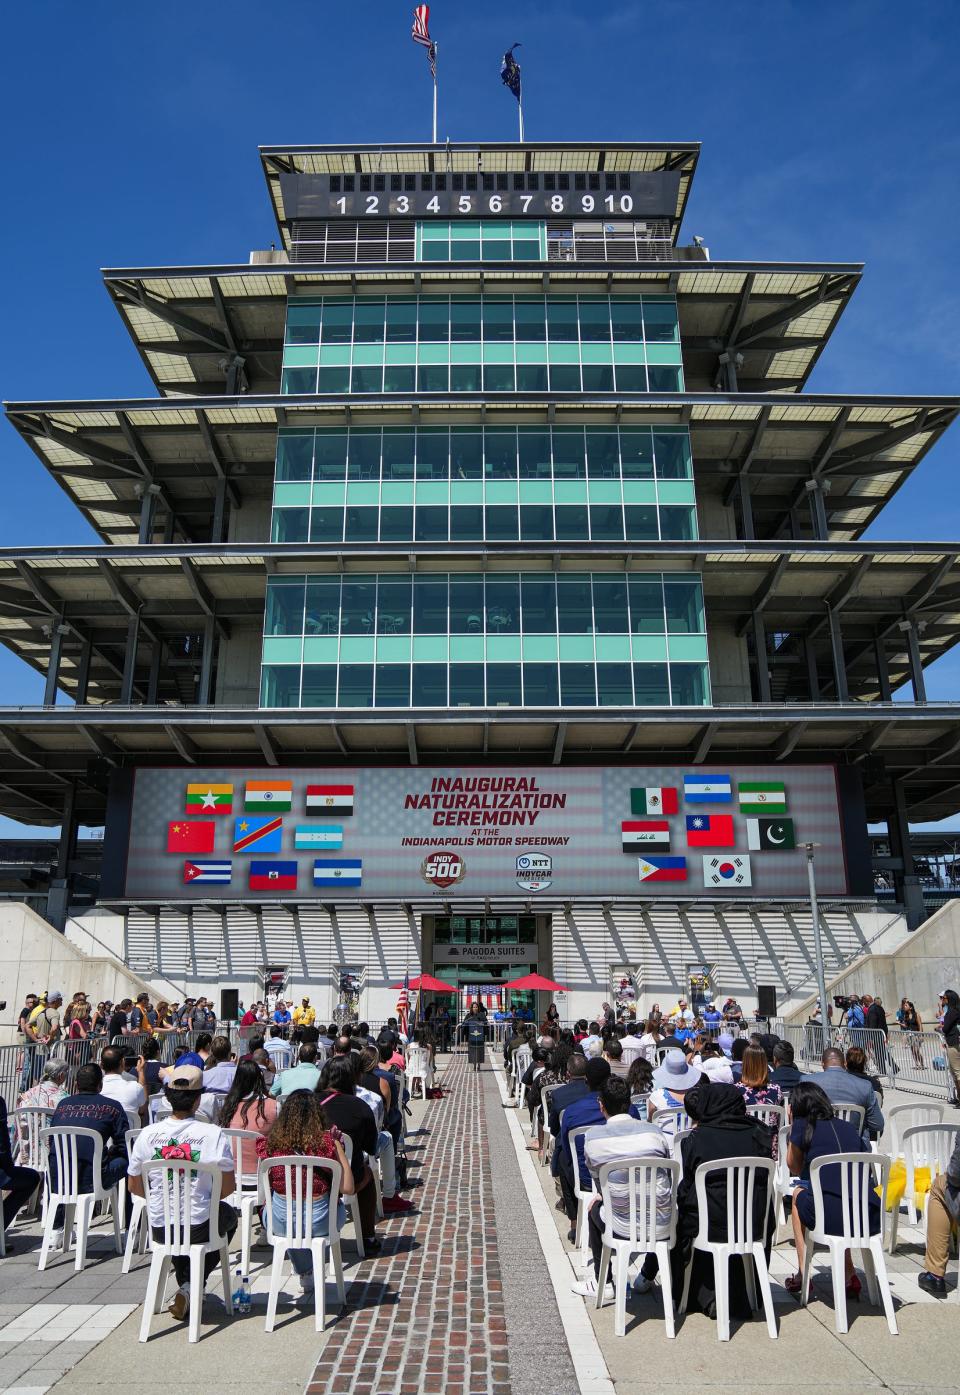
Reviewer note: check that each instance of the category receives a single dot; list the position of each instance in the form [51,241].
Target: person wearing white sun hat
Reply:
[672,1079]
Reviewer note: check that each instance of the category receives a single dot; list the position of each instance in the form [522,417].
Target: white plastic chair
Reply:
[545,1093]
[519,1062]
[78,1206]
[31,1152]
[852,1114]
[858,1177]
[137,1227]
[175,1180]
[742,1178]
[584,1198]
[908,1116]
[352,1202]
[247,1194]
[639,1176]
[782,1189]
[298,1175]
[773,1115]
[419,1068]
[924,1145]
[672,1121]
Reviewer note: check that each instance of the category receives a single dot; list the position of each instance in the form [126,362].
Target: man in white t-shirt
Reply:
[183,1135]
[117,1085]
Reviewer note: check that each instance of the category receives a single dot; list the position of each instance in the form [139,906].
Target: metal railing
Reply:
[910,1060]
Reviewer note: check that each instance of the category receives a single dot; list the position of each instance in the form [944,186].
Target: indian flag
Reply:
[268,794]
[762,796]
[212,799]
[329,799]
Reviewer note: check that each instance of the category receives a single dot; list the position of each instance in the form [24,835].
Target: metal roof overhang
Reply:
[94,592]
[188,323]
[105,453]
[492,157]
[43,751]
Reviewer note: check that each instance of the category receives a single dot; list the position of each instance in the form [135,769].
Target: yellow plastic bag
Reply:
[896,1185]
[922,1178]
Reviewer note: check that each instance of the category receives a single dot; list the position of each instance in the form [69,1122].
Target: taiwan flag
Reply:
[658,799]
[273,876]
[190,836]
[710,831]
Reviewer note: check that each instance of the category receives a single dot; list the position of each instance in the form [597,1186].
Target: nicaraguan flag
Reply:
[318,835]
[337,871]
[707,789]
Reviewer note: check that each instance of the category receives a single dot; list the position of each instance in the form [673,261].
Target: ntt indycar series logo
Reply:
[442,869]
[534,871]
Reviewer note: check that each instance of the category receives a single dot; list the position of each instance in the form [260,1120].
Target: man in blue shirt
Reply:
[281,1014]
[841,1087]
[711,1015]
[89,1109]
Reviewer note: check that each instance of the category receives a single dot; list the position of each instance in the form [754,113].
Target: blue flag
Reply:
[510,72]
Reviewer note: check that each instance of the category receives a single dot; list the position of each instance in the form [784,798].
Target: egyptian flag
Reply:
[660,799]
[645,835]
[190,836]
[330,799]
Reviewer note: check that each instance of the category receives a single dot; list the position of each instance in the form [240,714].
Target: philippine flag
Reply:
[663,869]
[710,831]
[707,789]
[726,871]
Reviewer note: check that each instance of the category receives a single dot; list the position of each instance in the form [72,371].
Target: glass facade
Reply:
[472,640]
[482,344]
[434,484]
[489,241]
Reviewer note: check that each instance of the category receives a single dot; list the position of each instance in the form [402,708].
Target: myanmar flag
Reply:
[274,795]
[209,799]
[190,836]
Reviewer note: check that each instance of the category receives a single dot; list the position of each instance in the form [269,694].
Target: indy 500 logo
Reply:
[443,869]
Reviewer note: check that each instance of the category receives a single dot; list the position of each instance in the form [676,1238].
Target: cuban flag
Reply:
[337,871]
[726,871]
[710,831]
[206,870]
[707,789]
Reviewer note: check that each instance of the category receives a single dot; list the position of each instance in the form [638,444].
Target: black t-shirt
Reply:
[23,1019]
[355,1118]
[118,1020]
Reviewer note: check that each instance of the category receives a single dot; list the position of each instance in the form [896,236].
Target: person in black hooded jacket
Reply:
[723,1130]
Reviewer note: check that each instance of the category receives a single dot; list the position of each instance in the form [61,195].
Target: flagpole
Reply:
[520,110]
[436,48]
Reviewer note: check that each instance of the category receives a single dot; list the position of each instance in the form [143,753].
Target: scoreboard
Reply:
[578,195]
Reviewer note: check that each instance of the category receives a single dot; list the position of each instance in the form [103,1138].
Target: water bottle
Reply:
[237,1294]
[246,1298]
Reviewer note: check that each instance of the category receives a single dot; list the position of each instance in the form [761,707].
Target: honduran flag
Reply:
[206,870]
[707,789]
[638,834]
[273,876]
[663,869]
[710,831]
[337,871]
[660,799]
[329,799]
[317,835]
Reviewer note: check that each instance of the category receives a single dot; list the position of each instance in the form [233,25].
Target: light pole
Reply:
[809,849]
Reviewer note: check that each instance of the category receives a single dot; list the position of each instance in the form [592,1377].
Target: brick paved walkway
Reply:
[427,1313]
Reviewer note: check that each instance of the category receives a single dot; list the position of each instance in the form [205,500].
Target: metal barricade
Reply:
[907,1059]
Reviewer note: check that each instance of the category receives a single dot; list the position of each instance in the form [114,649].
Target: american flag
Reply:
[421,35]
[403,997]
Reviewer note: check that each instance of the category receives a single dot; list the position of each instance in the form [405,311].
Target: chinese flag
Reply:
[190,836]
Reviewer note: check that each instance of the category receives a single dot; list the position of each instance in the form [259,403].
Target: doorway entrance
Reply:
[477,954]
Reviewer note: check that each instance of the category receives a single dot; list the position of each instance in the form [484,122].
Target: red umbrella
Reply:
[425,983]
[545,985]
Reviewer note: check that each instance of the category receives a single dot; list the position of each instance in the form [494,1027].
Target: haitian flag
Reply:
[253,834]
[190,836]
[661,799]
[273,876]
[645,833]
[663,869]
[710,831]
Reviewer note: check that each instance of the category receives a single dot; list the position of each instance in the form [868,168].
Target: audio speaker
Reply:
[229,1003]
[766,1000]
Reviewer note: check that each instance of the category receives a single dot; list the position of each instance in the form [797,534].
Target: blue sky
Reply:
[830,131]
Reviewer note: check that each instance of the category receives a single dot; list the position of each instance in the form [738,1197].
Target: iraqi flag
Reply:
[726,871]
[660,799]
[330,799]
[317,836]
[762,797]
[207,871]
[337,871]
[710,831]
[641,834]
[190,836]
[273,876]
[663,869]
[707,789]
[257,835]
[268,794]
[770,835]
[209,799]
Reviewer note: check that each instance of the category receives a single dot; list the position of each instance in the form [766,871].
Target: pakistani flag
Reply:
[762,797]
[770,835]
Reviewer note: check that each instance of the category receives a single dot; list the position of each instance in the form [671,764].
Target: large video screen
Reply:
[670,832]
